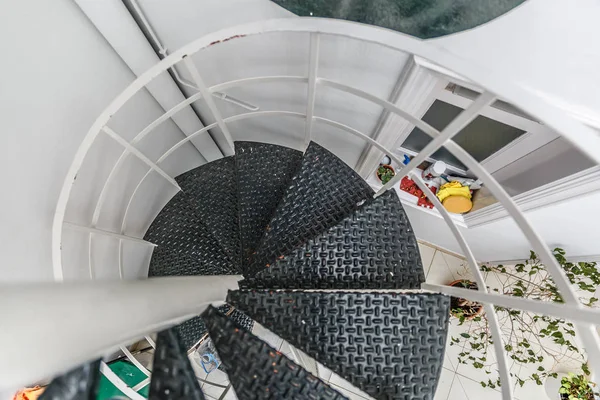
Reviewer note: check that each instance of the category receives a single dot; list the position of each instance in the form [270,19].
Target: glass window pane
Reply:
[481,138]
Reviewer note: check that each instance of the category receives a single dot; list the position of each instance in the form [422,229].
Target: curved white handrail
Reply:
[582,137]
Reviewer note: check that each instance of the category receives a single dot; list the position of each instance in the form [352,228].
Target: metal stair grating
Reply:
[323,191]
[264,172]
[389,345]
[373,248]
[258,371]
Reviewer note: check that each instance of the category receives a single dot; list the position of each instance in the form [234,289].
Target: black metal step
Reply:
[389,345]
[264,172]
[185,245]
[193,330]
[323,191]
[80,383]
[212,188]
[258,371]
[173,377]
[373,248]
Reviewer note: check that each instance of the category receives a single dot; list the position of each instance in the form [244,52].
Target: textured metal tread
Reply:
[323,191]
[258,371]
[389,345]
[173,377]
[80,383]
[264,172]
[373,248]
[191,331]
[185,246]
[212,188]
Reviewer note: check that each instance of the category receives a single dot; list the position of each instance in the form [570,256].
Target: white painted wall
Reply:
[572,225]
[549,45]
[57,74]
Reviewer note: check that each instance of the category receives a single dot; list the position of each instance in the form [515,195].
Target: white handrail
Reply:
[88,320]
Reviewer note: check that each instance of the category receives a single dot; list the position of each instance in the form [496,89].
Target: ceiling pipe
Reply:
[162,50]
[117,25]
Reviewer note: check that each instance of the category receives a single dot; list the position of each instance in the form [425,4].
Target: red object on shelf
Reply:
[409,186]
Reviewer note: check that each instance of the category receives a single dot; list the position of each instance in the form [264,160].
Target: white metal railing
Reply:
[495,87]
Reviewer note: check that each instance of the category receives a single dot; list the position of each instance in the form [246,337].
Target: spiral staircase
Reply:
[294,240]
[328,268]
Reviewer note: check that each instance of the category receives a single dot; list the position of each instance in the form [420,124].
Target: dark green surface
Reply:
[129,373]
[421,18]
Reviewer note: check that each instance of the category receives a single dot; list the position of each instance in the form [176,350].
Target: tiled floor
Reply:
[457,382]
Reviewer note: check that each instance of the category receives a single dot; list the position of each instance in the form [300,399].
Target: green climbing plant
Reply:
[525,333]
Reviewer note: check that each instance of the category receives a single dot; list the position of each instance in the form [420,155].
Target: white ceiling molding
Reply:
[568,188]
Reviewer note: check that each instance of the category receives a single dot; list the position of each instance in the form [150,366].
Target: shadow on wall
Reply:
[424,19]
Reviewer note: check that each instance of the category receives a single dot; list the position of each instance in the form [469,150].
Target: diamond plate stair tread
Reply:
[212,188]
[173,377]
[323,191]
[258,371]
[184,244]
[80,383]
[373,248]
[264,172]
[191,331]
[389,345]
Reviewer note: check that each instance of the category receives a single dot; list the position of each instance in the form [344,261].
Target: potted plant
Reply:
[385,172]
[528,338]
[576,387]
[462,308]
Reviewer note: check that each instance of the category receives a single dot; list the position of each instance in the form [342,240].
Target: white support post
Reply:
[97,231]
[91,319]
[189,63]
[453,128]
[119,139]
[313,66]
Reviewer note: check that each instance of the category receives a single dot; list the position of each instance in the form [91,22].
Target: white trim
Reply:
[97,231]
[570,187]
[208,99]
[577,259]
[313,68]
[133,150]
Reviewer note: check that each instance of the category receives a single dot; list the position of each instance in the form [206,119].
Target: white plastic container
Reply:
[434,170]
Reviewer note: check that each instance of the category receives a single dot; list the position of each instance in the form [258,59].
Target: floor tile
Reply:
[439,273]
[453,350]
[347,393]
[444,384]
[339,382]
[474,391]
[457,266]
[272,339]
[427,254]
[324,372]
[456,392]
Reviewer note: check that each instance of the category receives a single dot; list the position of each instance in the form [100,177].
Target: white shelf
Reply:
[408,199]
